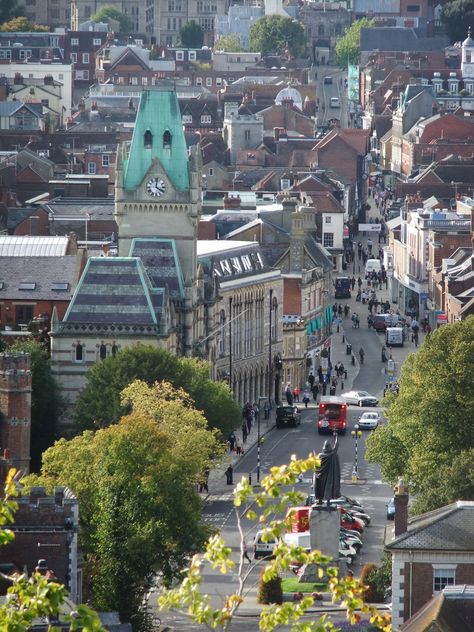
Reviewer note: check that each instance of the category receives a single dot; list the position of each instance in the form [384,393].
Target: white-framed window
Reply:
[85,58]
[328,240]
[24,54]
[144,81]
[206,118]
[442,577]
[85,74]
[5,54]
[105,160]
[180,55]
[187,118]
[327,219]
[96,42]
[247,134]
[210,171]
[134,81]
[192,55]
[208,82]
[199,81]
[218,81]
[74,41]
[91,168]
[470,87]
[74,58]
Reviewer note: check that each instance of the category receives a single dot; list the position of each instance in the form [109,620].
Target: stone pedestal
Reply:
[324,526]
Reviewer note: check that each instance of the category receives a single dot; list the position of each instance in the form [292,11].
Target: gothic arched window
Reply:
[148,139]
[167,140]
[102,351]
[79,352]
[114,350]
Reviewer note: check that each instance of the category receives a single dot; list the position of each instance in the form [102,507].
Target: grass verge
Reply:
[292,585]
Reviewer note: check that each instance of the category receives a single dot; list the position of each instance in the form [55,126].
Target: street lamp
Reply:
[356,434]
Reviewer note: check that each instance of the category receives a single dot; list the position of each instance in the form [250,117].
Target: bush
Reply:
[367,579]
[382,578]
[269,591]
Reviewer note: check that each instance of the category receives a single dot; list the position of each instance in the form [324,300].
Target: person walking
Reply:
[244,431]
[238,446]
[353,282]
[229,473]
[315,390]
[245,552]
[361,355]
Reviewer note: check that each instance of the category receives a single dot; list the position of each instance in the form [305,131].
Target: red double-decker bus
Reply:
[332,415]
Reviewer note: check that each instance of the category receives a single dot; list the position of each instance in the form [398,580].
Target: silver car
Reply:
[368,421]
[360,398]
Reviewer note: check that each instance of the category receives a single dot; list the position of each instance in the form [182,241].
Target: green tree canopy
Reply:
[99,404]
[136,485]
[10,9]
[348,47]
[429,439]
[191,35]
[457,16]
[273,34]
[21,24]
[108,11]
[229,43]
[46,400]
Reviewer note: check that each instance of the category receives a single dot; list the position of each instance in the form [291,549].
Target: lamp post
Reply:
[356,434]
[270,362]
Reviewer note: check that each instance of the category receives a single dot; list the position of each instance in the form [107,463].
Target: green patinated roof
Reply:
[158,113]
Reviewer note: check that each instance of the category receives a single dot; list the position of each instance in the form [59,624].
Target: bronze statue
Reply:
[327,484]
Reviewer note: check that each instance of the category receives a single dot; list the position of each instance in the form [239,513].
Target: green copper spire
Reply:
[158,134]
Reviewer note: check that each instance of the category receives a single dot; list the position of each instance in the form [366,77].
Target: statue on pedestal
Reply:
[327,482]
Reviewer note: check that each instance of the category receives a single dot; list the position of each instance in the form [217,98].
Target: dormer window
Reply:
[167,140]
[148,139]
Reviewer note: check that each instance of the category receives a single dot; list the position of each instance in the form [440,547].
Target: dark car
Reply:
[287,416]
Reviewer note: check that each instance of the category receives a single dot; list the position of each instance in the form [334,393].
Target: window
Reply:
[27,286]
[74,41]
[85,74]
[199,81]
[74,58]
[79,353]
[218,81]
[274,332]
[5,54]
[114,350]
[24,314]
[45,102]
[413,8]
[24,54]
[206,118]
[87,11]
[54,14]
[192,55]
[167,140]
[210,171]
[60,287]
[91,168]
[105,160]
[247,134]
[96,42]
[208,82]
[134,81]
[147,139]
[144,81]
[327,219]
[453,88]
[328,240]
[443,577]
[180,55]
[187,118]
[102,351]
[85,58]
[207,24]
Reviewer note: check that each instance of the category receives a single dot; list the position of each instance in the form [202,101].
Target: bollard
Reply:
[337,327]
[250,479]
[343,339]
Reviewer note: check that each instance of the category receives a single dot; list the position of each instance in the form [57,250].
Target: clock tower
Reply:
[157,191]
[467,57]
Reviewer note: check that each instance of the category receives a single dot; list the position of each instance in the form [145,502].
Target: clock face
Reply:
[468,69]
[155,187]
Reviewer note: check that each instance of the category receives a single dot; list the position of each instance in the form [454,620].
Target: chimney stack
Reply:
[401,507]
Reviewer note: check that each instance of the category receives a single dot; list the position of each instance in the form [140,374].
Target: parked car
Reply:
[352,536]
[287,416]
[360,398]
[368,421]
[262,548]
[360,515]
[350,522]
[342,501]
[391,509]
[328,80]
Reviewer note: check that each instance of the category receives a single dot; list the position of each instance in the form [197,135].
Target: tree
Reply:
[229,43]
[32,598]
[274,34]
[136,485]
[272,501]
[191,35]
[21,24]
[456,17]
[9,9]
[46,400]
[428,439]
[348,46]
[109,12]
[99,404]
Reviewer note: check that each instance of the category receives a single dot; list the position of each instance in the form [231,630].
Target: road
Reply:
[325,91]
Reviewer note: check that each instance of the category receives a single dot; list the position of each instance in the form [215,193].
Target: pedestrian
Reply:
[229,473]
[231,442]
[324,387]
[357,322]
[249,423]
[306,399]
[346,309]
[359,282]
[353,282]
[244,431]
[296,394]
[320,375]
[289,394]
[315,391]
[311,380]
[245,553]
[238,446]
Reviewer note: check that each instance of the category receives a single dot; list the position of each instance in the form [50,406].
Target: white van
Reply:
[394,337]
[335,102]
[371,265]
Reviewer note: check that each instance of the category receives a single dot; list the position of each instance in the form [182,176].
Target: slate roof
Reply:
[43,273]
[25,246]
[115,293]
[95,209]
[451,610]
[9,108]
[17,215]
[394,38]
[161,261]
[450,528]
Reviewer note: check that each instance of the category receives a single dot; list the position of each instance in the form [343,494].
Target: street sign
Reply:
[423,296]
